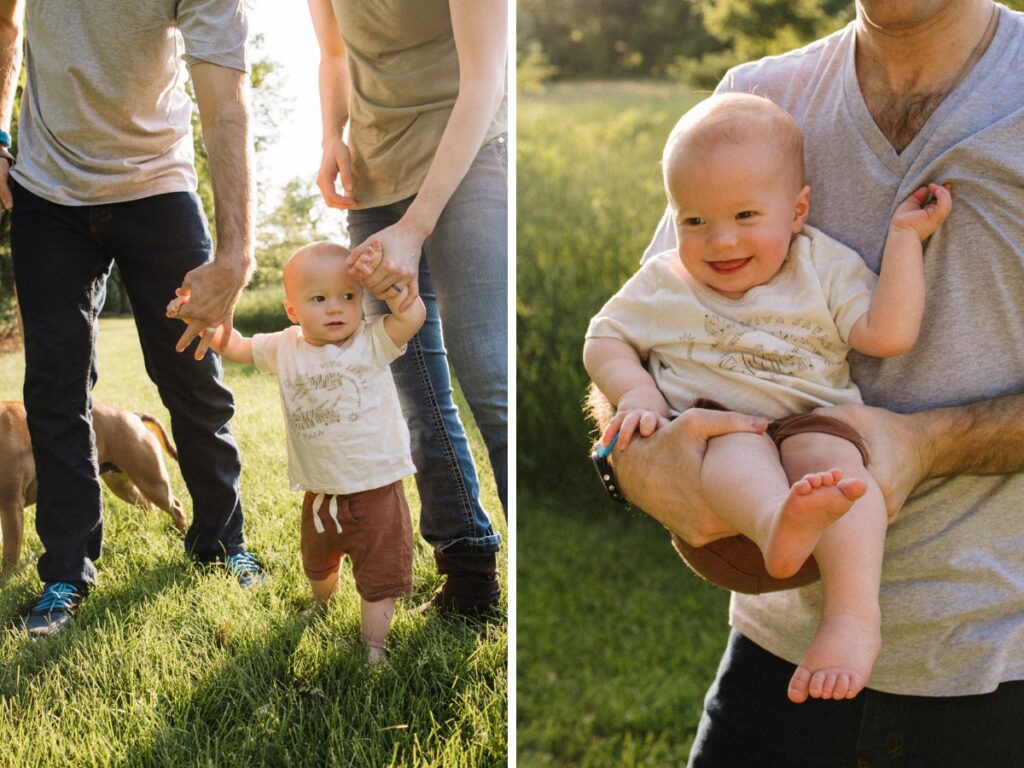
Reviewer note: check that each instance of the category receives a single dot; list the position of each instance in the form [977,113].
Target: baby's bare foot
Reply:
[813,503]
[839,661]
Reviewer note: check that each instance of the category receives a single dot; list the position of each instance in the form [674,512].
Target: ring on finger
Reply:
[396,287]
[210,330]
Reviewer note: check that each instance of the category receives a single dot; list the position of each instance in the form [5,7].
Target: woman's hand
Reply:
[402,247]
[336,164]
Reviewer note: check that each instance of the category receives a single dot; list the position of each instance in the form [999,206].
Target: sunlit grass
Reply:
[616,640]
[172,665]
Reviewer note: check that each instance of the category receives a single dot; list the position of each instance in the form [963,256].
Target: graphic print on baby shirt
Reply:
[742,354]
[326,397]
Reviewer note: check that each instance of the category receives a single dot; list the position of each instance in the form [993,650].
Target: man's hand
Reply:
[401,245]
[661,474]
[206,300]
[6,163]
[898,453]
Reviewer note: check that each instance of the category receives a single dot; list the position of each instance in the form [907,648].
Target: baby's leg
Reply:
[376,620]
[324,588]
[839,661]
[744,482]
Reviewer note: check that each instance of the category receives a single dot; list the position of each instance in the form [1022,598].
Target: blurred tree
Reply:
[299,218]
[611,38]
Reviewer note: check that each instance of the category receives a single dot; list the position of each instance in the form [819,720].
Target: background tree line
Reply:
[692,41]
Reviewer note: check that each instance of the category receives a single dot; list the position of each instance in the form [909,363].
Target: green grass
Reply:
[588,197]
[616,640]
[170,665]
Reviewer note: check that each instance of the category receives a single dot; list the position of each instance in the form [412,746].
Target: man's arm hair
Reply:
[12,14]
[223,97]
[983,438]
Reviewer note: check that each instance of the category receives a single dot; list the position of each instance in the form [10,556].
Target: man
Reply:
[910,91]
[105,173]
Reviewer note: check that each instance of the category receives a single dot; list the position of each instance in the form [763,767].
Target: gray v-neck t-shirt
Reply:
[952,592]
[105,116]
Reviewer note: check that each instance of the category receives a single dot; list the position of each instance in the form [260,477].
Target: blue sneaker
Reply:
[55,608]
[246,568]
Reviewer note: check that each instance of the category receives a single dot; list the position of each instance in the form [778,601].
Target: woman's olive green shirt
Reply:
[404,71]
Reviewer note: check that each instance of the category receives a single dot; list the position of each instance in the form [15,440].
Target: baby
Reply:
[755,313]
[348,445]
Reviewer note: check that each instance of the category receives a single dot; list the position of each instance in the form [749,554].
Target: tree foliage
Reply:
[692,40]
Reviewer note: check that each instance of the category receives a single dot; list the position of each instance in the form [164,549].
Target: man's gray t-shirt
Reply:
[105,117]
[953,578]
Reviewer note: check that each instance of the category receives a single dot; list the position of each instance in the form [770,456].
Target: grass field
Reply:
[616,640]
[171,665]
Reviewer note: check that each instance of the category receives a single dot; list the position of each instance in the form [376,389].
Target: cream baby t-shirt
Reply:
[778,350]
[344,423]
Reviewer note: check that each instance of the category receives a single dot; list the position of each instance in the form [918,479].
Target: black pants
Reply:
[62,256]
[748,721]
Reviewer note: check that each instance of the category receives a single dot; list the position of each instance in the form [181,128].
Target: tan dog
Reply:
[131,464]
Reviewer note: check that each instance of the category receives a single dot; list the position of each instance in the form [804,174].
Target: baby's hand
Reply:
[627,422]
[924,211]
[370,257]
[175,304]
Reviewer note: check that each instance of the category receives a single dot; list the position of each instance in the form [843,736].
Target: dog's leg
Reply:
[147,488]
[12,525]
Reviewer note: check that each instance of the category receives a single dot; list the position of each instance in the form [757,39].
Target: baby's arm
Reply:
[236,347]
[892,323]
[616,369]
[402,324]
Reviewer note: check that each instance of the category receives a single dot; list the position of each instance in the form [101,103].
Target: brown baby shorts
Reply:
[736,563]
[371,527]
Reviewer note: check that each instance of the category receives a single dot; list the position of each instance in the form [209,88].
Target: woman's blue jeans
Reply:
[62,256]
[463,281]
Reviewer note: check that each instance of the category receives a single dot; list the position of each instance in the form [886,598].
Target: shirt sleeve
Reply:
[382,348]
[631,313]
[264,351]
[846,279]
[215,32]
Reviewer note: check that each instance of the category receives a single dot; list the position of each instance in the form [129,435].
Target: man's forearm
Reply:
[984,438]
[223,106]
[11,17]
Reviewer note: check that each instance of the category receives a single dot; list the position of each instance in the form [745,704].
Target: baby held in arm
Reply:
[755,312]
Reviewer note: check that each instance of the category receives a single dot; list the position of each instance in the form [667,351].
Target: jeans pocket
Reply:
[498,147]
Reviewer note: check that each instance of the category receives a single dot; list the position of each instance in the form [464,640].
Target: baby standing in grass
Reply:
[755,313]
[348,444]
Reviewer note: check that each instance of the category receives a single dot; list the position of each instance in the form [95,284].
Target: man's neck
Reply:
[907,66]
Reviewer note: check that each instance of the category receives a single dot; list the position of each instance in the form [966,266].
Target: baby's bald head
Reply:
[734,119]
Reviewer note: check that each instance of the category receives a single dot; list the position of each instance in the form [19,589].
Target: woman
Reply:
[420,85]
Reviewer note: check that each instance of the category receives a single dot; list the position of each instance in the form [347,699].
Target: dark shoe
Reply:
[471,589]
[55,608]
[246,568]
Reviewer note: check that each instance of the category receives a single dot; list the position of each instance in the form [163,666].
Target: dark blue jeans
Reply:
[748,721]
[62,256]
[463,281]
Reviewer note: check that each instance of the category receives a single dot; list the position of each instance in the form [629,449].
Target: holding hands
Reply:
[388,261]
[206,301]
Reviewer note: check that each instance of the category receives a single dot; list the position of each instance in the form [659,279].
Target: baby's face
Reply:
[324,300]
[737,209]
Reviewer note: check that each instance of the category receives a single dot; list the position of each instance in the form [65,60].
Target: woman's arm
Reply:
[334,99]
[480,28]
